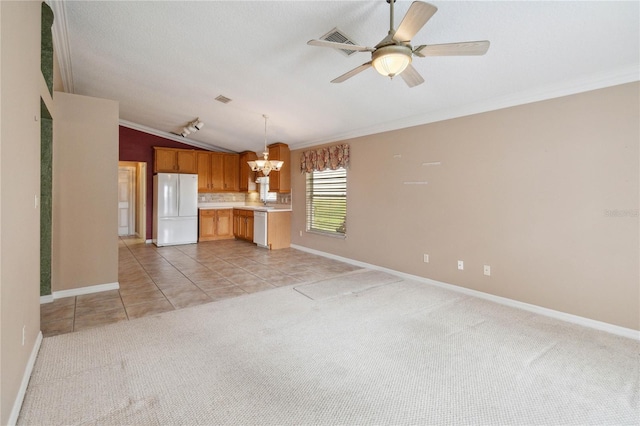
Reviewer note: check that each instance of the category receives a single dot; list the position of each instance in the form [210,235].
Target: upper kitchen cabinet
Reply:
[247,177]
[280,181]
[218,172]
[204,171]
[173,160]
[231,175]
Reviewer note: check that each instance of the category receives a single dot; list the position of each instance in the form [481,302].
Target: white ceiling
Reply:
[165,62]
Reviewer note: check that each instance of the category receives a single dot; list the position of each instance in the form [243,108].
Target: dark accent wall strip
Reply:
[46,45]
[46,192]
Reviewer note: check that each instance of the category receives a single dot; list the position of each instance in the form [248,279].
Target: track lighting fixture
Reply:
[191,127]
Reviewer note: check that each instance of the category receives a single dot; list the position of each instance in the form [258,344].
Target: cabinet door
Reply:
[164,161]
[249,233]
[231,172]
[186,160]
[280,181]
[235,223]
[238,221]
[207,225]
[204,171]
[217,171]
[224,224]
[246,175]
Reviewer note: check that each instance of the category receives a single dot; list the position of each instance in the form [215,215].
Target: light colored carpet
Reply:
[351,283]
[401,353]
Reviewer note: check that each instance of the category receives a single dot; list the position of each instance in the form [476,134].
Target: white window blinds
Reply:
[327,202]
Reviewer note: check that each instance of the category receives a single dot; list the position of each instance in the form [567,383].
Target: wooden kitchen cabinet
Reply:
[243,224]
[215,224]
[173,160]
[218,172]
[204,171]
[280,181]
[231,174]
[278,230]
[247,177]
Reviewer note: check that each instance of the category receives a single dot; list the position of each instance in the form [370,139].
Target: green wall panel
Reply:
[46,152]
[46,44]
[46,191]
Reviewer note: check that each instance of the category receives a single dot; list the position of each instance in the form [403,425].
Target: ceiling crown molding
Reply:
[557,90]
[171,136]
[61,43]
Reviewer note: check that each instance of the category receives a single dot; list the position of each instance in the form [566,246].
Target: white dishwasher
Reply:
[260,228]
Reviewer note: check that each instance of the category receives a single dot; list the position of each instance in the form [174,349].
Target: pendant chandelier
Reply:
[265,165]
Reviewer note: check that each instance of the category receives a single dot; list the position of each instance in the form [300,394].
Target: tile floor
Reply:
[158,279]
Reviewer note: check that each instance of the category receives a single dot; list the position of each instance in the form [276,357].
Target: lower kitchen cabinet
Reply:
[215,224]
[243,224]
[278,229]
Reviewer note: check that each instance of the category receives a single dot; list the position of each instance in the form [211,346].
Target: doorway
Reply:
[132,209]
[126,201]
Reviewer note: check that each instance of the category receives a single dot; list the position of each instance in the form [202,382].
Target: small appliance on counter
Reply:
[175,209]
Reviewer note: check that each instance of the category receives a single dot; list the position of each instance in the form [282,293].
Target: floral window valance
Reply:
[332,157]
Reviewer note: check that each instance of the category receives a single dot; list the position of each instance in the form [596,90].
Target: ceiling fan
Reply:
[393,55]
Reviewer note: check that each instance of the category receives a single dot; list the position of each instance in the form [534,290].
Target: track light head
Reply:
[191,127]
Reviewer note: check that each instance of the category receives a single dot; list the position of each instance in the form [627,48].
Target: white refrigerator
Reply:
[175,209]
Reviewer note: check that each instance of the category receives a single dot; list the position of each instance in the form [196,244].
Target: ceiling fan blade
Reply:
[351,73]
[453,49]
[334,45]
[418,14]
[411,76]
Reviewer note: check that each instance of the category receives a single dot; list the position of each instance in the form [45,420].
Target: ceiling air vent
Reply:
[338,36]
[223,99]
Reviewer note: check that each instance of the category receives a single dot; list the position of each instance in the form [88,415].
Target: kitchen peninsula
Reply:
[267,226]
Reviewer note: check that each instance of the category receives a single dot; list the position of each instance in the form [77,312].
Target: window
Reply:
[327,202]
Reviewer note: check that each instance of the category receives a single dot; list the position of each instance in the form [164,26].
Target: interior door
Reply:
[126,201]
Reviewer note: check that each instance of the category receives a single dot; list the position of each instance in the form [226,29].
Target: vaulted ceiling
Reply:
[166,62]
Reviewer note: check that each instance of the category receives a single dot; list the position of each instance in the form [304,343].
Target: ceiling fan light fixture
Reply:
[391,60]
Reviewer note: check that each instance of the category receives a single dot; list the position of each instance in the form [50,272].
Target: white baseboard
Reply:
[148,241]
[46,299]
[17,404]
[575,319]
[79,291]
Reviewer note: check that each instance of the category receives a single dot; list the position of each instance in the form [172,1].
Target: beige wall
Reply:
[544,193]
[85,198]
[20,86]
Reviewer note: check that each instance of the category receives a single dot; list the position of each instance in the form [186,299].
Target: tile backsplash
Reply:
[222,197]
[240,197]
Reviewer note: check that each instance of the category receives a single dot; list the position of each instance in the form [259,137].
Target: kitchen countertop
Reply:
[215,206]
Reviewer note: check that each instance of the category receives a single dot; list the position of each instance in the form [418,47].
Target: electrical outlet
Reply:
[426,258]
[301,233]
[487,270]
[460,265]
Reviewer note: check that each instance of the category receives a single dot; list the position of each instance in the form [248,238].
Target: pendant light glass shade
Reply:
[391,60]
[265,165]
